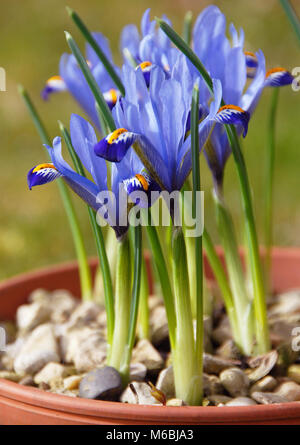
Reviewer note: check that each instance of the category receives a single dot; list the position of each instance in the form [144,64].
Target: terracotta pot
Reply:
[31,406]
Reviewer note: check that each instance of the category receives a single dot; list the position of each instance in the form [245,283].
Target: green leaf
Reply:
[187,371]
[162,271]
[252,241]
[269,185]
[292,16]
[198,241]
[99,240]
[91,82]
[136,287]
[84,269]
[184,47]
[90,39]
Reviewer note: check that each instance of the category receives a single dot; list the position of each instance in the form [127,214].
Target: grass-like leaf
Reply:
[136,287]
[252,241]
[84,269]
[162,272]
[90,39]
[99,240]
[91,82]
[269,185]
[292,16]
[198,241]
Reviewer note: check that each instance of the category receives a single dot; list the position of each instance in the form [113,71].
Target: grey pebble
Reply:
[101,384]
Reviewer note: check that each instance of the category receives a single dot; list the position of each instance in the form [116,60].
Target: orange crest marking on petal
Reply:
[278,69]
[115,134]
[144,65]
[231,107]
[42,166]
[54,79]
[113,94]
[143,181]
[250,53]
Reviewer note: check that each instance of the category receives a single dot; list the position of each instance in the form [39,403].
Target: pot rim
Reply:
[124,411]
[11,391]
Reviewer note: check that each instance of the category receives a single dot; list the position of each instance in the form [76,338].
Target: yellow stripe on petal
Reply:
[115,134]
[278,69]
[231,107]
[145,65]
[114,95]
[42,166]
[250,53]
[143,181]
[55,79]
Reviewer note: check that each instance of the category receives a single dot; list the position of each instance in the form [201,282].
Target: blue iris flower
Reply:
[72,79]
[150,45]
[156,119]
[126,177]
[226,60]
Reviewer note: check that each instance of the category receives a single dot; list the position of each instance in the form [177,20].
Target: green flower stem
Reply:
[83,264]
[117,355]
[198,257]
[91,81]
[192,272]
[270,160]
[111,244]
[143,325]
[90,39]
[222,281]
[111,251]
[162,272]
[190,251]
[263,340]
[262,329]
[134,307]
[242,303]
[292,16]
[99,240]
[188,379]
[187,27]
[84,269]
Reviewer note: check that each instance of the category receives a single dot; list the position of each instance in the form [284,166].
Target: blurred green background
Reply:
[33,227]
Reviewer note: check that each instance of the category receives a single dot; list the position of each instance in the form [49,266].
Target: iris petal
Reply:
[251,59]
[103,43]
[83,187]
[53,85]
[42,174]
[250,98]
[130,40]
[114,146]
[111,97]
[83,139]
[185,160]
[231,114]
[77,85]
[141,183]
[278,77]
[146,68]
